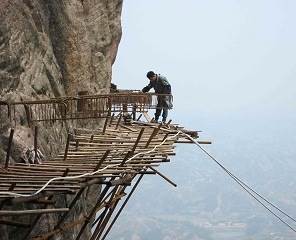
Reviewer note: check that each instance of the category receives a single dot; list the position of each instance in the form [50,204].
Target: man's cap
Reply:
[150,74]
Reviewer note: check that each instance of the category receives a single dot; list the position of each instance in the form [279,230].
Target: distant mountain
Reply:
[208,204]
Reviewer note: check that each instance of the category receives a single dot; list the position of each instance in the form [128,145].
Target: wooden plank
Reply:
[146,115]
[33,211]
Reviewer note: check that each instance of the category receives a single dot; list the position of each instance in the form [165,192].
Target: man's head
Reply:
[151,75]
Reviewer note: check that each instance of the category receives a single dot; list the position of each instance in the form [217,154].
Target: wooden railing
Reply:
[81,107]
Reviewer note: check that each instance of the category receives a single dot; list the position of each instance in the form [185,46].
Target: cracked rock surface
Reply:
[52,48]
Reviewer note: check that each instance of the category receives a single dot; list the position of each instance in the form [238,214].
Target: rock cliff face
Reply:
[52,48]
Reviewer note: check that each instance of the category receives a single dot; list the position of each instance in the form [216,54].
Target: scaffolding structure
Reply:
[82,107]
[115,156]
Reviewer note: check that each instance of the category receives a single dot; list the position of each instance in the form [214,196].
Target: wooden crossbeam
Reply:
[14,223]
[32,211]
[106,152]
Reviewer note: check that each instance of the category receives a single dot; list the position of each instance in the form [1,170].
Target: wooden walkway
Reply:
[115,157]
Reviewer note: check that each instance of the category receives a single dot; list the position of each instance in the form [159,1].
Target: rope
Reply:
[243,185]
[87,174]
[247,188]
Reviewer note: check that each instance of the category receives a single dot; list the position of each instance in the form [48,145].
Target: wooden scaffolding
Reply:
[115,156]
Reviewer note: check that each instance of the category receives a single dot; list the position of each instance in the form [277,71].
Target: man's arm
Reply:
[147,88]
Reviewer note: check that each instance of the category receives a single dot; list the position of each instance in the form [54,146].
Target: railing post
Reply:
[28,114]
[9,148]
[35,143]
[67,147]
[82,103]
[105,125]
[118,121]
[9,111]
[134,112]
[110,106]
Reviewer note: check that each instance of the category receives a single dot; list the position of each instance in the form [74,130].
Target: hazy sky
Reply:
[232,67]
[219,55]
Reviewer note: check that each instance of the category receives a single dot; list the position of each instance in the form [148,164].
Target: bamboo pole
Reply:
[105,125]
[35,143]
[118,121]
[163,176]
[67,147]
[137,141]
[29,212]
[9,148]
[154,133]
[122,206]
[92,213]
[49,198]
[14,223]
[77,196]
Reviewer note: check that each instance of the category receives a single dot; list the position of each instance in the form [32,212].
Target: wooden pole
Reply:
[76,144]
[119,119]
[111,119]
[93,212]
[67,147]
[104,216]
[138,139]
[9,112]
[81,190]
[122,206]
[105,125]
[163,176]
[34,211]
[165,136]
[28,115]
[13,223]
[168,123]
[27,235]
[91,138]
[138,119]
[102,160]
[134,112]
[35,143]
[154,133]
[9,148]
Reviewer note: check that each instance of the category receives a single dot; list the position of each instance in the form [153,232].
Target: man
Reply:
[161,86]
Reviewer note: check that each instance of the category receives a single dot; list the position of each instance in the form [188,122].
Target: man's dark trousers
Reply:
[161,106]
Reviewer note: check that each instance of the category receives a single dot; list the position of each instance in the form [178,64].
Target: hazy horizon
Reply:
[218,55]
[232,67]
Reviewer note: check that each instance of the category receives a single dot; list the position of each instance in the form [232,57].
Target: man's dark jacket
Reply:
[160,85]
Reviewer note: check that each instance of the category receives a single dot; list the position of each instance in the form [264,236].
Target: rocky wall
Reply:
[52,48]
